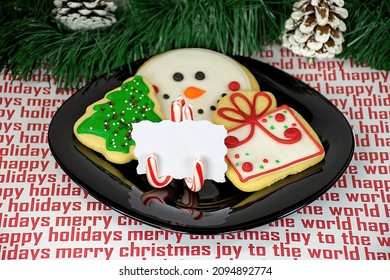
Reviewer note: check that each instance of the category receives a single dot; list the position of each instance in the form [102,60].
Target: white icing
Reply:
[219,71]
[262,147]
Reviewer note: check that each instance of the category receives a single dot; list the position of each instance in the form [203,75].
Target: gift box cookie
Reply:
[266,145]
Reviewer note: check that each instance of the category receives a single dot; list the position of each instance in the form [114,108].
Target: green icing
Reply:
[113,119]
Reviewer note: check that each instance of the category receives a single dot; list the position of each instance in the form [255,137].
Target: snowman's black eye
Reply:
[200,75]
[178,77]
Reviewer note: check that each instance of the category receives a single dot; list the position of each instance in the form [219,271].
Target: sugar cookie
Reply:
[266,146]
[201,76]
[106,125]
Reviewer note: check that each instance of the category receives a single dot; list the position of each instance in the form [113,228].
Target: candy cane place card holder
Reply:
[163,149]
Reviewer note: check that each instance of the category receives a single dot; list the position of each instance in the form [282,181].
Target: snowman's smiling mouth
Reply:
[193,92]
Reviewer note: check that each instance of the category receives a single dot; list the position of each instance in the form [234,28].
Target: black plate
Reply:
[218,207]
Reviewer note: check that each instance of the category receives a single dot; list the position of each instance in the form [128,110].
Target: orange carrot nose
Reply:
[193,92]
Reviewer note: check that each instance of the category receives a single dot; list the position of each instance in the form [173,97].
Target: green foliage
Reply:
[30,36]
[368,33]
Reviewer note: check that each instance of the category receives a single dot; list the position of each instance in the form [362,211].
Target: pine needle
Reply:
[30,37]
[367,40]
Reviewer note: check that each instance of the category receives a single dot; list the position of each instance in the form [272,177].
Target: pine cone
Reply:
[314,29]
[85,15]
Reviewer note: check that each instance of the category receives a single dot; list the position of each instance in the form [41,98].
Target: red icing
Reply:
[240,116]
[156,89]
[265,160]
[293,133]
[237,156]
[234,85]
[243,117]
[247,166]
[231,142]
[280,117]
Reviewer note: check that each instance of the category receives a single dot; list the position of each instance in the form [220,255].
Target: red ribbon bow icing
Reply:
[245,112]
[244,117]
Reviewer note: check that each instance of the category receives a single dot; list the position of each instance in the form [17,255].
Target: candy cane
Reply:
[195,183]
[158,195]
[181,110]
[189,199]
[187,112]
[152,173]
[195,214]
[176,114]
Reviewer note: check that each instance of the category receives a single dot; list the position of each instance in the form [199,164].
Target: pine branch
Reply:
[368,33]
[27,43]
[12,9]
[31,37]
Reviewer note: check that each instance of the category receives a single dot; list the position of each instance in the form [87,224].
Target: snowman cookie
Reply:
[265,144]
[202,77]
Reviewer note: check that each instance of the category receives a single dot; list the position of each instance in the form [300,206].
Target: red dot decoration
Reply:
[156,89]
[294,124]
[234,85]
[264,120]
[280,117]
[247,166]
[293,133]
[265,160]
[237,156]
[231,142]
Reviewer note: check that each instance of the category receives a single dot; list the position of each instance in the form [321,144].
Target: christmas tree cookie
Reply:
[106,125]
[265,144]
